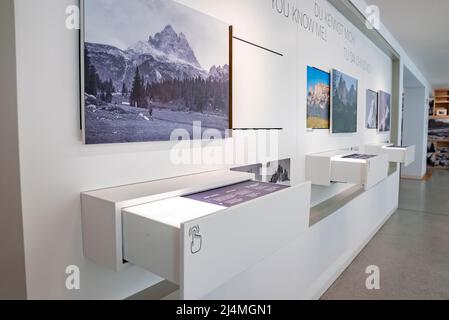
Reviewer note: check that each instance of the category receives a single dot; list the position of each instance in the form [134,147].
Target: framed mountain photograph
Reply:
[384,112]
[371,109]
[343,103]
[318,99]
[152,68]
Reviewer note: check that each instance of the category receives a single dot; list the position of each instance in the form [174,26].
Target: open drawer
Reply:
[346,167]
[200,245]
[102,209]
[398,154]
[367,171]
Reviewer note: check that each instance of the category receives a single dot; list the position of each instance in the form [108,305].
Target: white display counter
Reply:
[335,166]
[193,243]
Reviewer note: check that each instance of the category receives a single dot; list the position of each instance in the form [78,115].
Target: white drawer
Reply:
[367,172]
[102,209]
[403,155]
[325,168]
[200,246]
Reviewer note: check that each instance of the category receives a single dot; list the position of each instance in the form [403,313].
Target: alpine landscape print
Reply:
[152,67]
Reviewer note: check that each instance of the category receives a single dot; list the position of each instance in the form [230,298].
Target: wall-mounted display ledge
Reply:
[101,209]
[196,231]
[347,167]
[397,154]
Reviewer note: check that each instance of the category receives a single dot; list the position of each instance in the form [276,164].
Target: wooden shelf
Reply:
[441,105]
[439,117]
[440,143]
[441,102]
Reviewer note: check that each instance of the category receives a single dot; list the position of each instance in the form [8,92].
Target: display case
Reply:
[347,167]
[102,209]
[202,238]
[398,154]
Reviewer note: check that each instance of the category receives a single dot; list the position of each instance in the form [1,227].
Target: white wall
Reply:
[12,268]
[405,59]
[406,64]
[55,166]
[271,91]
[415,129]
[328,55]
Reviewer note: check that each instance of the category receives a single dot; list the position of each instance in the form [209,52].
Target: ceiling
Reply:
[422,29]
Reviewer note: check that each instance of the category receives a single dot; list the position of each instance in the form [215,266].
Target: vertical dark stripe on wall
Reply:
[80,79]
[231,122]
[81,63]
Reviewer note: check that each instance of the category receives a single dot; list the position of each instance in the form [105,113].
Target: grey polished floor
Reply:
[411,250]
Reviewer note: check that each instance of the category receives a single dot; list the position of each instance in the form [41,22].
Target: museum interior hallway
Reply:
[411,250]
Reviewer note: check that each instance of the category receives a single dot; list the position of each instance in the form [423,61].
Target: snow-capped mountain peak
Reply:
[165,56]
[172,44]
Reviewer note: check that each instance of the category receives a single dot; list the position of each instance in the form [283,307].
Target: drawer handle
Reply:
[196,239]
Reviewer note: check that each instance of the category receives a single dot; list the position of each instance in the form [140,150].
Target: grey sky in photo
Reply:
[122,23]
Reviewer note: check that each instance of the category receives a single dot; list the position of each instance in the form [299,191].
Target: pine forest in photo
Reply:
[344,103]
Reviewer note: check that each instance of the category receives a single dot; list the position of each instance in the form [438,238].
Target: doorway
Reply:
[415,124]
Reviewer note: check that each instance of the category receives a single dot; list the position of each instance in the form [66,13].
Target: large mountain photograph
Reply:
[371,109]
[344,103]
[384,111]
[153,68]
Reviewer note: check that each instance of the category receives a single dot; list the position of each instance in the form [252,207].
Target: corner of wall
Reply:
[12,271]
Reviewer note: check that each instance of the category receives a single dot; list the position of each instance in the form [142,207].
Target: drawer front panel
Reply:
[377,170]
[348,172]
[218,247]
[152,246]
